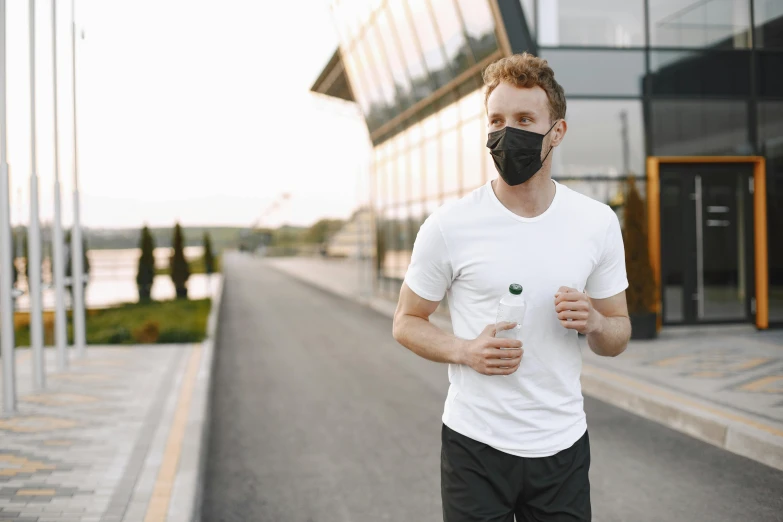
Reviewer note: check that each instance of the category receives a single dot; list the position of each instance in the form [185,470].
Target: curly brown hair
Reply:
[526,70]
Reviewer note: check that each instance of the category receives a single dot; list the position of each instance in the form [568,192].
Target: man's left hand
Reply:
[572,304]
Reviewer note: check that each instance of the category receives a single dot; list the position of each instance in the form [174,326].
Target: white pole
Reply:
[77,274]
[61,319]
[6,274]
[34,231]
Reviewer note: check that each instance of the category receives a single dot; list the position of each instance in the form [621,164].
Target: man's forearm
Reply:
[427,340]
[612,338]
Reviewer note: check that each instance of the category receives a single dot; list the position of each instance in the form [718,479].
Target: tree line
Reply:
[178,265]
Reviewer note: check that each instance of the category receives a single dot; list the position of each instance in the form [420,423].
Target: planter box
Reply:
[644,326]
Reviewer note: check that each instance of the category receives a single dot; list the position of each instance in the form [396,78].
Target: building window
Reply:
[770,116]
[458,52]
[700,128]
[472,146]
[597,73]
[609,23]
[768,15]
[480,27]
[604,138]
[434,56]
[721,24]
[697,73]
[449,166]
[401,26]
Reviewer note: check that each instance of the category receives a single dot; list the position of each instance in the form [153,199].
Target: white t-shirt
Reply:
[472,250]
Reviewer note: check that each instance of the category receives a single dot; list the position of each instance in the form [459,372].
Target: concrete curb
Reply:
[185,505]
[756,439]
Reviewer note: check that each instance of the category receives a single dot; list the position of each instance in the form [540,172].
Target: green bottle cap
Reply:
[515,289]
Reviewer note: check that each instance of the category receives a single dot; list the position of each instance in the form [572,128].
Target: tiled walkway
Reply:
[90,446]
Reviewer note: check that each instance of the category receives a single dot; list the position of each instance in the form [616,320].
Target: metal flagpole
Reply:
[77,274]
[6,271]
[34,231]
[60,325]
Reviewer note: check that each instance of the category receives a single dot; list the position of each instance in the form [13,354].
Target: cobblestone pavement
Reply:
[88,448]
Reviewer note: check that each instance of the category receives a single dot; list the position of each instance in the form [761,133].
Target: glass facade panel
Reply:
[406,38]
[472,140]
[699,128]
[612,72]
[471,105]
[450,170]
[399,72]
[434,56]
[768,15]
[712,23]
[604,138]
[610,23]
[458,53]
[358,84]
[695,73]
[480,27]
[377,113]
[770,74]
[770,116]
[380,66]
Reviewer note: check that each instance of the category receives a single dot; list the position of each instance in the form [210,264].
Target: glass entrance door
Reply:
[706,243]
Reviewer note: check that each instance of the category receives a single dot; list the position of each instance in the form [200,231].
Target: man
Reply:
[514,436]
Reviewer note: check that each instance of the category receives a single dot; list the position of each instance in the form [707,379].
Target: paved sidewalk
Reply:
[723,385]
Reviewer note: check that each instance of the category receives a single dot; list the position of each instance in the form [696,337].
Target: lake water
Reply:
[113,279]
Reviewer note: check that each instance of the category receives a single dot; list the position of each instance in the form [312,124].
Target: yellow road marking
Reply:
[157,510]
[752,363]
[36,493]
[761,385]
[672,361]
[692,404]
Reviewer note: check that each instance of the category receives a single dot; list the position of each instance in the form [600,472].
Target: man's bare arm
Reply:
[485,354]
[605,322]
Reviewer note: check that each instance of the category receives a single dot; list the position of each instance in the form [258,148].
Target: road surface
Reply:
[320,416]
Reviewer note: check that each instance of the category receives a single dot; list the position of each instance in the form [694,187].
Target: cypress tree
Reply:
[641,284]
[146,272]
[209,257]
[180,271]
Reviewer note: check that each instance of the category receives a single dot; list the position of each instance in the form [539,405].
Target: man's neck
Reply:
[528,200]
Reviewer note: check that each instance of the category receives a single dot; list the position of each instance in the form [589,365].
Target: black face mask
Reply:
[517,153]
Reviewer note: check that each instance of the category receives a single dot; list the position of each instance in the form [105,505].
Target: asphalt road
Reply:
[320,416]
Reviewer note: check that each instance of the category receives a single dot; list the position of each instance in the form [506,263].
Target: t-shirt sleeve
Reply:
[429,274]
[609,277]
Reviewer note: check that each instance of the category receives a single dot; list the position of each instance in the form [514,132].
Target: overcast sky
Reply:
[188,110]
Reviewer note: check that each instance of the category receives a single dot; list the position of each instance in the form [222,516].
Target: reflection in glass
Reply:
[380,65]
[400,179]
[768,18]
[434,56]
[471,105]
[770,74]
[376,115]
[400,23]
[458,53]
[604,138]
[480,26]
[699,128]
[381,186]
[399,72]
[697,73]
[673,250]
[449,168]
[472,140]
[611,72]
[770,131]
[611,23]
[707,23]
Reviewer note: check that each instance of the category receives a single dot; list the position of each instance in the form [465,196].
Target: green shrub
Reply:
[148,333]
[178,335]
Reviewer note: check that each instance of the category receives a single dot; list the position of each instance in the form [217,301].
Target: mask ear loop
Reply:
[552,147]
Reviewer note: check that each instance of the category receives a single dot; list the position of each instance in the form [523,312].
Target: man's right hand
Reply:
[490,355]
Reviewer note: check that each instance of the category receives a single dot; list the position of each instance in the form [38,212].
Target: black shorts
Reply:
[482,484]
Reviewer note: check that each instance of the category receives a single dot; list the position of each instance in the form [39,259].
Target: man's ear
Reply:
[559,132]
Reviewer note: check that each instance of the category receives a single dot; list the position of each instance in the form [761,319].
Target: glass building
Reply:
[684,95]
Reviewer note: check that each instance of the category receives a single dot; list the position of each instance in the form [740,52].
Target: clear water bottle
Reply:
[511,310]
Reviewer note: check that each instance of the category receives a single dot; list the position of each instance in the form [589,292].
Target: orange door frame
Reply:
[759,221]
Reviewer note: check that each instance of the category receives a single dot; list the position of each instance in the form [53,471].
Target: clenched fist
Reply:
[490,355]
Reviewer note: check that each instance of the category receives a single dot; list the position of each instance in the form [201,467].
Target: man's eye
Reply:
[524,120]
